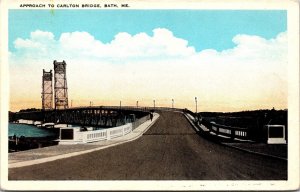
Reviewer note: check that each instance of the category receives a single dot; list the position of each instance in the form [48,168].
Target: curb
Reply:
[53,158]
[239,148]
[190,121]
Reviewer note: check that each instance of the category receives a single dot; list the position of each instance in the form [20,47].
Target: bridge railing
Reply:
[107,134]
[103,134]
[228,131]
[133,108]
[98,135]
[189,112]
[218,129]
[139,108]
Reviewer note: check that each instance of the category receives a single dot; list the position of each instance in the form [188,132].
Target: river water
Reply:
[28,131]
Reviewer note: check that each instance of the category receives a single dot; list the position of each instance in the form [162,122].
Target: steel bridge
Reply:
[103,116]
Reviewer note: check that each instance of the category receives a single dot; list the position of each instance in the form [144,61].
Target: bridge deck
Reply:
[170,150]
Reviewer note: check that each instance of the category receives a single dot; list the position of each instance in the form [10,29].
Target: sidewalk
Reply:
[278,151]
[46,154]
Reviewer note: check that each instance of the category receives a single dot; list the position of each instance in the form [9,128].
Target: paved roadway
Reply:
[170,149]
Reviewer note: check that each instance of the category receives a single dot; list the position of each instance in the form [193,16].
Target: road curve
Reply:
[169,150]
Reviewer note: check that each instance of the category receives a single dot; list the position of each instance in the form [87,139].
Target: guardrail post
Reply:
[84,137]
[107,134]
[232,133]
[209,127]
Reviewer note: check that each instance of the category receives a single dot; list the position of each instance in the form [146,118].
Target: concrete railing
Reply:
[232,132]
[103,134]
[223,130]
[28,122]
[91,136]
[95,135]
[106,134]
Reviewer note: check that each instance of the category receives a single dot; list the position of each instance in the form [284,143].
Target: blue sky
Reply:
[204,29]
[231,60]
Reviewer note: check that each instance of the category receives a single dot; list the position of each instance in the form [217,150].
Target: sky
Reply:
[229,60]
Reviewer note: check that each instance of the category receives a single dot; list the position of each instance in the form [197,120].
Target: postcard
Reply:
[143,95]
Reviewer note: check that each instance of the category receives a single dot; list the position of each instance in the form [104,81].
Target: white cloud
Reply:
[162,44]
[251,75]
[37,39]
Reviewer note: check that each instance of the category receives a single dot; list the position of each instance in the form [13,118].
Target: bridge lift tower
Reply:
[47,93]
[60,85]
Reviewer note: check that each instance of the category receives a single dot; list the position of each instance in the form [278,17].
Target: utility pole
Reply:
[172,103]
[196,103]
